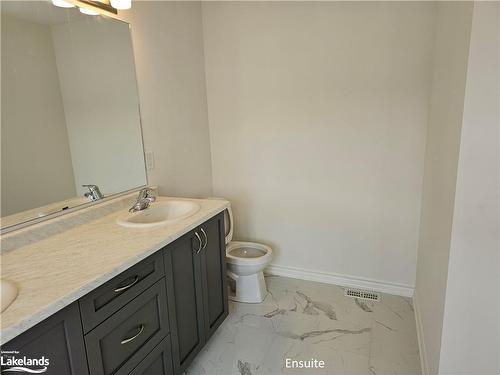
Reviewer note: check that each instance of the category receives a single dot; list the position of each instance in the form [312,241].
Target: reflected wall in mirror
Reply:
[70,110]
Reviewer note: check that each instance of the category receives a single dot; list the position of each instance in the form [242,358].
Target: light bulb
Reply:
[62,4]
[89,12]
[121,4]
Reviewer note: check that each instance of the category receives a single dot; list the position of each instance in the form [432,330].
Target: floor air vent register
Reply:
[363,294]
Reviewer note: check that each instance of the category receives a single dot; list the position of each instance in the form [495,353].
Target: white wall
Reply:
[100,104]
[318,115]
[443,142]
[168,46]
[36,160]
[471,330]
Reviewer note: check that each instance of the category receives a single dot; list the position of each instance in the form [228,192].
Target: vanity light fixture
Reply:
[63,4]
[121,4]
[95,7]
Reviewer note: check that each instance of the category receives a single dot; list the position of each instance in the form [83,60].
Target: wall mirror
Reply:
[69,110]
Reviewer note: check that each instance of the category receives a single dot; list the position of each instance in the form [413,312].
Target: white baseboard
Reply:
[420,336]
[342,280]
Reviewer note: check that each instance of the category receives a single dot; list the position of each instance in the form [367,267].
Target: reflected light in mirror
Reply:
[62,4]
[89,12]
[121,4]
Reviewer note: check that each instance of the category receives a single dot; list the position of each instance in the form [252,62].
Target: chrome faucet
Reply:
[145,198]
[94,194]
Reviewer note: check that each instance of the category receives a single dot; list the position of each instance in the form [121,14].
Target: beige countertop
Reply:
[56,271]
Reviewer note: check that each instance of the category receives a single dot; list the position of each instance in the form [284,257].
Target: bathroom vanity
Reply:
[151,317]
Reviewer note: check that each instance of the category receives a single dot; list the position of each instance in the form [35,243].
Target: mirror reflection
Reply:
[70,126]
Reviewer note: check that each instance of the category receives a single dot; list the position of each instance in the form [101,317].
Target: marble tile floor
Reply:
[304,320]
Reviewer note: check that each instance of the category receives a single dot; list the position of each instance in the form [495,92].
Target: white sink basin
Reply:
[8,293]
[159,213]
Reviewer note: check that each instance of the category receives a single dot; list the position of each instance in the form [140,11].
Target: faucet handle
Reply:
[140,205]
[146,193]
[94,192]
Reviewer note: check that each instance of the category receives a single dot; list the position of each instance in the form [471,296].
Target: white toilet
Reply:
[245,263]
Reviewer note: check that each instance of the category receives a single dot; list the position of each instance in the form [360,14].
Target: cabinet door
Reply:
[59,339]
[213,260]
[183,269]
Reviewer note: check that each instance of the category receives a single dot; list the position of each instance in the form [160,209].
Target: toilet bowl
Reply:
[245,262]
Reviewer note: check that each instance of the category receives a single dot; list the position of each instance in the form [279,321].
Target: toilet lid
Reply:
[228,221]
[228,224]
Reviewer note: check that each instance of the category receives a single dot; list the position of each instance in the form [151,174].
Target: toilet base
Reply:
[249,289]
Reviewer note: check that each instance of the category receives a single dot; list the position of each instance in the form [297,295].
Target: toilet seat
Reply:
[248,253]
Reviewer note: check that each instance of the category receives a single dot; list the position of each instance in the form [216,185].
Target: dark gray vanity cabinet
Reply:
[151,319]
[58,338]
[199,288]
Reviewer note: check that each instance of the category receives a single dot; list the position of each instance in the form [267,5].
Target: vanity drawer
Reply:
[158,362]
[121,342]
[107,299]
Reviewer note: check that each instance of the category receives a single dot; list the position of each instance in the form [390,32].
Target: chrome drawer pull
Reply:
[133,337]
[200,241]
[122,288]
[206,238]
